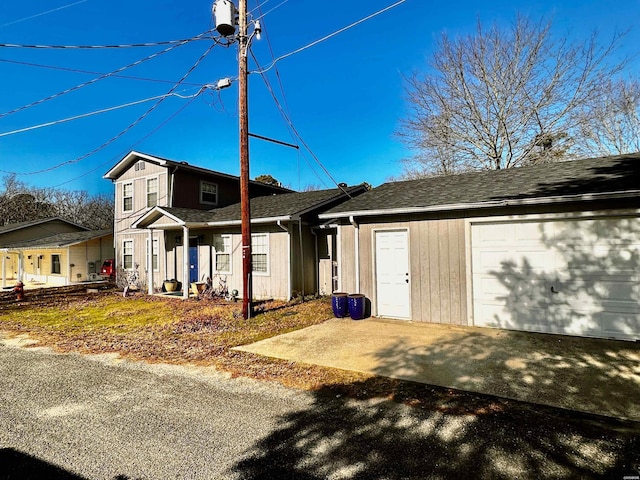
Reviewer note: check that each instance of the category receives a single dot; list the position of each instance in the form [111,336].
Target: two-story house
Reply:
[143,182]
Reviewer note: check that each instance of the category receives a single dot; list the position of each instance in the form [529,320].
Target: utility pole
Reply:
[243,46]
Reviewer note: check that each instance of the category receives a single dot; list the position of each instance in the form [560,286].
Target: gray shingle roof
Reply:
[29,223]
[60,240]
[615,175]
[285,205]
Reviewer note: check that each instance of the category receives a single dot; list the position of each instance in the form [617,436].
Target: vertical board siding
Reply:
[437,261]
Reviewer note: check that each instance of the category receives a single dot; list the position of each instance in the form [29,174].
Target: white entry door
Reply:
[392,274]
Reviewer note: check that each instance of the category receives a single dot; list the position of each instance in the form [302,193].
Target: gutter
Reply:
[478,205]
[356,246]
[256,221]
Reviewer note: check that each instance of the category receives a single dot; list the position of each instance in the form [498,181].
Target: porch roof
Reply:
[266,209]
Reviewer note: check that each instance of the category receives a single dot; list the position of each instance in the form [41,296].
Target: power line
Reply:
[98,47]
[131,146]
[129,127]
[42,13]
[96,112]
[291,128]
[91,72]
[326,37]
[94,80]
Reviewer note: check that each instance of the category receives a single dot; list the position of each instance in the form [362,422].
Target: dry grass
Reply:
[168,330]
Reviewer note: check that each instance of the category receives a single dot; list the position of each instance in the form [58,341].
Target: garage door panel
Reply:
[579,277]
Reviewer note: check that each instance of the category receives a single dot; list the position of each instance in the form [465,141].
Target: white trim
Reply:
[374,248]
[477,205]
[123,183]
[155,240]
[133,245]
[215,253]
[268,246]
[155,177]
[628,212]
[225,223]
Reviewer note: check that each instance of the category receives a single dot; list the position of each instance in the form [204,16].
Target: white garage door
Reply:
[576,277]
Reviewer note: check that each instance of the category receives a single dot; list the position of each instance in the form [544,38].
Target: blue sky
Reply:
[344,95]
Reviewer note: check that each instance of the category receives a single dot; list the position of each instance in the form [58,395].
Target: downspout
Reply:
[171,186]
[288,258]
[301,256]
[356,246]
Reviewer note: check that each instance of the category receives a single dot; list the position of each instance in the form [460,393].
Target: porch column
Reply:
[150,263]
[4,270]
[20,266]
[185,261]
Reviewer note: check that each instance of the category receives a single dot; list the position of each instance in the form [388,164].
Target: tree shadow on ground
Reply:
[452,435]
[18,465]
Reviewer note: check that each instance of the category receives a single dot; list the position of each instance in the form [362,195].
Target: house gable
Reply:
[36,229]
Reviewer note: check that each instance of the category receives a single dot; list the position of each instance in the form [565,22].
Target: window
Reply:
[208,193]
[127,254]
[222,253]
[152,192]
[127,197]
[154,258]
[139,165]
[55,264]
[260,253]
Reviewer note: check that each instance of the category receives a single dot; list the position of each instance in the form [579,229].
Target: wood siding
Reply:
[437,262]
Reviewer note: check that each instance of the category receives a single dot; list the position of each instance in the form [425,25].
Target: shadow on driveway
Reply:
[596,376]
[344,438]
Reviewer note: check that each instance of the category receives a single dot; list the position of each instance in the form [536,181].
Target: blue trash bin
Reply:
[339,304]
[356,306]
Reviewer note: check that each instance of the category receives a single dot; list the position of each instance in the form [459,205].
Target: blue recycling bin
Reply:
[356,306]
[339,304]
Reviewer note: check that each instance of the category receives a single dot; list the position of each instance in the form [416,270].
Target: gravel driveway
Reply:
[85,417]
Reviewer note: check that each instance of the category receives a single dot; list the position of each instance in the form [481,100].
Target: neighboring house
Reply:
[52,252]
[547,248]
[291,254]
[143,182]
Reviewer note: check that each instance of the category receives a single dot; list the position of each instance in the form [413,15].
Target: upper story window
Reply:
[127,197]
[152,192]
[208,193]
[139,165]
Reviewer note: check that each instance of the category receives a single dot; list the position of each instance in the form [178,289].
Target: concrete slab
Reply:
[589,375]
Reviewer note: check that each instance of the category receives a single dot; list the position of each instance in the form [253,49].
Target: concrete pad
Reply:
[589,375]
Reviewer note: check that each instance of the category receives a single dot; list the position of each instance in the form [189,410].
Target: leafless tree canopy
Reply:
[502,98]
[612,123]
[20,202]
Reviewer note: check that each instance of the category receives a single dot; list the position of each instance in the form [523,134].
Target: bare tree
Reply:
[21,202]
[611,125]
[503,98]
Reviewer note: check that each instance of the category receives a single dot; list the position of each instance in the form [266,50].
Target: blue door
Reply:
[193,263]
